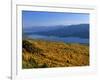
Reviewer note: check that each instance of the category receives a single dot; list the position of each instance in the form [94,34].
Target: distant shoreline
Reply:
[87,44]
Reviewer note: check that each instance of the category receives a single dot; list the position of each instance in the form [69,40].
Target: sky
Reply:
[41,18]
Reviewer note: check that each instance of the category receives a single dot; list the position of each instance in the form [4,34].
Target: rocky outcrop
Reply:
[31,48]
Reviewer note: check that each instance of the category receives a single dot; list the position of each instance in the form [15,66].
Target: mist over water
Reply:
[60,39]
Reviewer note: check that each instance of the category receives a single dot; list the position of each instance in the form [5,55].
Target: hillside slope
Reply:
[43,54]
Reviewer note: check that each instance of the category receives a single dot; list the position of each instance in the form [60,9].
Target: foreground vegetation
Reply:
[43,54]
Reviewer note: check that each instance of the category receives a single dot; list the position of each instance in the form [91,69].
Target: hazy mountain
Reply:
[81,30]
[31,30]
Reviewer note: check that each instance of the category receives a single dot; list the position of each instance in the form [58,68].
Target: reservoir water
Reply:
[61,39]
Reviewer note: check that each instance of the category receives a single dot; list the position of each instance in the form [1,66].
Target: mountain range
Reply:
[79,30]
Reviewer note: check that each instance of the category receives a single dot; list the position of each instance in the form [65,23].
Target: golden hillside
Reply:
[43,54]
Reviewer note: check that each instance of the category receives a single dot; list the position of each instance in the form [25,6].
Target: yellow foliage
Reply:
[56,54]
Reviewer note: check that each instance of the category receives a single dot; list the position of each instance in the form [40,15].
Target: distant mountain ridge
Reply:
[80,30]
[33,29]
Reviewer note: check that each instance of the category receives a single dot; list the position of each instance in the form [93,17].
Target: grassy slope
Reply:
[54,54]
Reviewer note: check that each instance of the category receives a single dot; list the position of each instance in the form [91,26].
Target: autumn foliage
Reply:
[43,54]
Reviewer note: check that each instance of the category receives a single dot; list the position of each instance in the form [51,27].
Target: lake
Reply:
[61,39]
